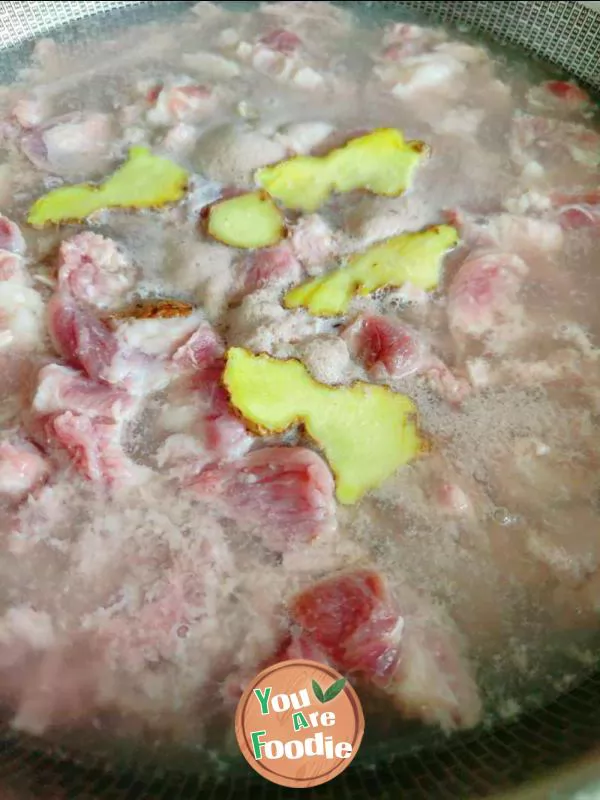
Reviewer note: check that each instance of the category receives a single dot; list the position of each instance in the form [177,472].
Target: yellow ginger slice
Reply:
[414,258]
[250,220]
[365,431]
[143,181]
[381,162]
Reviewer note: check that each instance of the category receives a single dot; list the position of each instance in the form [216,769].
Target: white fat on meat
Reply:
[527,236]
[203,427]
[157,337]
[95,270]
[22,467]
[420,73]
[442,72]
[202,436]
[138,373]
[200,350]
[75,143]
[279,54]
[449,86]
[61,389]
[85,342]
[22,317]
[199,406]
[182,455]
[183,100]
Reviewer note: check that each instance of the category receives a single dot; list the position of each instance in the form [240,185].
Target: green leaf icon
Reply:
[334,690]
[331,693]
[318,692]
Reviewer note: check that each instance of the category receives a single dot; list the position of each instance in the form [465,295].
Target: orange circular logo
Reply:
[299,723]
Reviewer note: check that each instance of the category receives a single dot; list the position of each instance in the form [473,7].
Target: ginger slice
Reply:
[381,162]
[155,308]
[365,431]
[414,258]
[143,181]
[246,221]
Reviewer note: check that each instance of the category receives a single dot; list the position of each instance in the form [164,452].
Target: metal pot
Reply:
[552,753]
